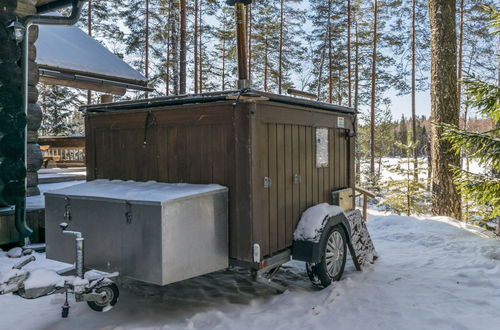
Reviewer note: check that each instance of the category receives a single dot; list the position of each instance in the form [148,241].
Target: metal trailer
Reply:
[277,155]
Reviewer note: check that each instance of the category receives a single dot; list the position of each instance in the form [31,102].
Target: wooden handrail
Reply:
[365,194]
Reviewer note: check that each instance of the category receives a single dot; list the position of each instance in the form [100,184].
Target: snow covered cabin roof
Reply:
[68,56]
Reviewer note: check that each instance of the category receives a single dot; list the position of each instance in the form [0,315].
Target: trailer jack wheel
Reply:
[110,294]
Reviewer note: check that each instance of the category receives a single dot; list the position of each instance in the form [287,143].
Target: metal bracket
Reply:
[267,182]
[296,178]
[67,209]
[266,274]
[128,213]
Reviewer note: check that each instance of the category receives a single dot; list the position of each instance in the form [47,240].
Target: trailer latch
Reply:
[67,209]
[128,213]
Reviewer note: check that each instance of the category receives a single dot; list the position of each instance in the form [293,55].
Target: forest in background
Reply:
[356,53]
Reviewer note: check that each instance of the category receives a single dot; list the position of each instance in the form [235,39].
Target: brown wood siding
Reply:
[195,145]
[283,147]
[233,146]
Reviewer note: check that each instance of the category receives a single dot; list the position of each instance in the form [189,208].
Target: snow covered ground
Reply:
[432,274]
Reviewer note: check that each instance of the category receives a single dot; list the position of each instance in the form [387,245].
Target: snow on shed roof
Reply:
[69,49]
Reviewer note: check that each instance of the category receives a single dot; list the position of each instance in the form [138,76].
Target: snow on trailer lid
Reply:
[150,191]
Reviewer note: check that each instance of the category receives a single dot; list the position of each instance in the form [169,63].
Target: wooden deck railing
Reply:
[65,151]
[365,194]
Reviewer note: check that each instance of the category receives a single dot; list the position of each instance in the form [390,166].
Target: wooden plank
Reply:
[163,153]
[172,156]
[90,149]
[309,166]
[273,190]
[280,182]
[104,88]
[295,171]
[296,115]
[315,199]
[302,169]
[333,161]
[242,225]
[288,185]
[260,201]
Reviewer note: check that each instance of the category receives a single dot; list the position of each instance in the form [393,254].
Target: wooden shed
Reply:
[278,155]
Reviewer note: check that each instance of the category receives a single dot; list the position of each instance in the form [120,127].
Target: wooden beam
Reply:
[84,85]
[25,8]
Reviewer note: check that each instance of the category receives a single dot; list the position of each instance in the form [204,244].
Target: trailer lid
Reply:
[233,95]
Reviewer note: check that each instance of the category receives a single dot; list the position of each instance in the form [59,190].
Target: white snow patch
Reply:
[41,278]
[16,252]
[313,220]
[431,274]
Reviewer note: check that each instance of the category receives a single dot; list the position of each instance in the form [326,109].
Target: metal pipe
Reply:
[79,261]
[241,40]
[20,212]
[296,92]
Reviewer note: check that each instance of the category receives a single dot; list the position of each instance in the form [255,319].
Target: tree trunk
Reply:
[175,50]
[349,78]
[460,52]
[280,59]
[195,45]
[356,93]
[250,26]
[182,53]
[373,95]
[265,65]
[89,28]
[146,34]
[330,55]
[413,90]
[444,104]
[200,47]
[223,64]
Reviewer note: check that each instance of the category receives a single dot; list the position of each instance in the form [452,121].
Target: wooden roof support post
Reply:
[241,40]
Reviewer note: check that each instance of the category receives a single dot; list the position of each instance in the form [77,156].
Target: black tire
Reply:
[112,294]
[331,267]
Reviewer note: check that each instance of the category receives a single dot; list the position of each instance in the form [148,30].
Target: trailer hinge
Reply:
[67,209]
[128,213]
[267,182]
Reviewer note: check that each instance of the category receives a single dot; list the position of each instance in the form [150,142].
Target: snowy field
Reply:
[432,274]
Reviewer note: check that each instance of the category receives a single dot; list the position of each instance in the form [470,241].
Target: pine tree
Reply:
[444,102]
[404,193]
[59,107]
[484,189]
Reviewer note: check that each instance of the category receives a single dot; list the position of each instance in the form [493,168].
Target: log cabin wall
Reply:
[233,146]
[34,119]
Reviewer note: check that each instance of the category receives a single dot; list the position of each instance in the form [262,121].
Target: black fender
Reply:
[310,251]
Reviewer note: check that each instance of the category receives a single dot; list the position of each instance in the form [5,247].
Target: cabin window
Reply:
[321,147]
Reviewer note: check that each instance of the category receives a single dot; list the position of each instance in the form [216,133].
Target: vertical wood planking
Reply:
[260,194]
[280,183]
[295,170]
[315,171]
[273,190]
[288,184]
[309,166]
[302,169]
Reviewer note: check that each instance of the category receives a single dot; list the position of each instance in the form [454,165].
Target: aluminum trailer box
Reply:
[153,232]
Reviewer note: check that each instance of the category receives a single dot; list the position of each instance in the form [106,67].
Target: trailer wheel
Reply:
[111,297]
[332,264]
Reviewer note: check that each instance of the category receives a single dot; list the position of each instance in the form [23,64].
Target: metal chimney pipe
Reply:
[241,41]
